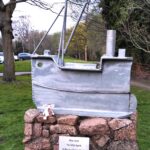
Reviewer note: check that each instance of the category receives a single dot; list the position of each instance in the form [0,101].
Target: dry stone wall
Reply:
[104,133]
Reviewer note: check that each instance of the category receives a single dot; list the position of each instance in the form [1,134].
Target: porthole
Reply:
[39,64]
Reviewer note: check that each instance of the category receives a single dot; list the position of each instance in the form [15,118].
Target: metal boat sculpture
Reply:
[101,89]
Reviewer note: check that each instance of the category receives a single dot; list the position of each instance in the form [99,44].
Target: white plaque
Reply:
[73,143]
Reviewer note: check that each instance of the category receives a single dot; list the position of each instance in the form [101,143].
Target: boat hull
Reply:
[82,89]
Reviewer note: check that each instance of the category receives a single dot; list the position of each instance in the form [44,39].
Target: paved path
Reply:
[18,73]
[140,84]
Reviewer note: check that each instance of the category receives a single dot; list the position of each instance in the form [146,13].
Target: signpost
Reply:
[73,143]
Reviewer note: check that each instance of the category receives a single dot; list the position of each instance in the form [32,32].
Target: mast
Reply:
[62,47]
[62,37]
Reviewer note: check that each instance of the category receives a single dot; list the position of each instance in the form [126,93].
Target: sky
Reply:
[41,19]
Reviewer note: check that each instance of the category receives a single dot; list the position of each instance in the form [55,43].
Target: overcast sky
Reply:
[40,19]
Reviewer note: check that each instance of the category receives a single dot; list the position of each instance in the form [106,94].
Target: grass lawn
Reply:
[15,99]
[20,66]
[143,126]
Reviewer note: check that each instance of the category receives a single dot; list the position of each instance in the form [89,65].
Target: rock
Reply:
[56,147]
[28,129]
[93,146]
[63,129]
[102,141]
[26,139]
[104,133]
[39,144]
[123,145]
[54,139]
[95,126]
[133,117]
[37,129]
[45,133]
[46,126]
[26,148]
[127,133]
[68,120]
[30,115]
[50,119]
[116,124]
[96,137]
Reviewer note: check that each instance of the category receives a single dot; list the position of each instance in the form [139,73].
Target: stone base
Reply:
[104,133]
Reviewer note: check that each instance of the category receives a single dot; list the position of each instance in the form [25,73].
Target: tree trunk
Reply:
[9,65]
[86,53]
[7,36]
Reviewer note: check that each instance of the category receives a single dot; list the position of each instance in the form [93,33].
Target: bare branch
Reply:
[38,3]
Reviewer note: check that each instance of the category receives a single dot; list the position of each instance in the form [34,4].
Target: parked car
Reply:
[2,57]
[24,56]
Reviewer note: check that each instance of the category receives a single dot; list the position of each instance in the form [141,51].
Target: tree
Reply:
[92,32]
[0,44]
[6,11]
[22,29]
[88,41]
[78,42]
[34,38]
[131,19]
[96,36]
[7,36]
[55,42]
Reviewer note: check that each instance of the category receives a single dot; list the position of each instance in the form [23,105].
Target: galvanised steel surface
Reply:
[101,89]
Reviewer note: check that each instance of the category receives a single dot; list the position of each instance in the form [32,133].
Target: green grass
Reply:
[20,66]
[143,126]
[15,99]
[23,66]
[70,59]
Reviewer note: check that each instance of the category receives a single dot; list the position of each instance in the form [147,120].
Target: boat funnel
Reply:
[110,43]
